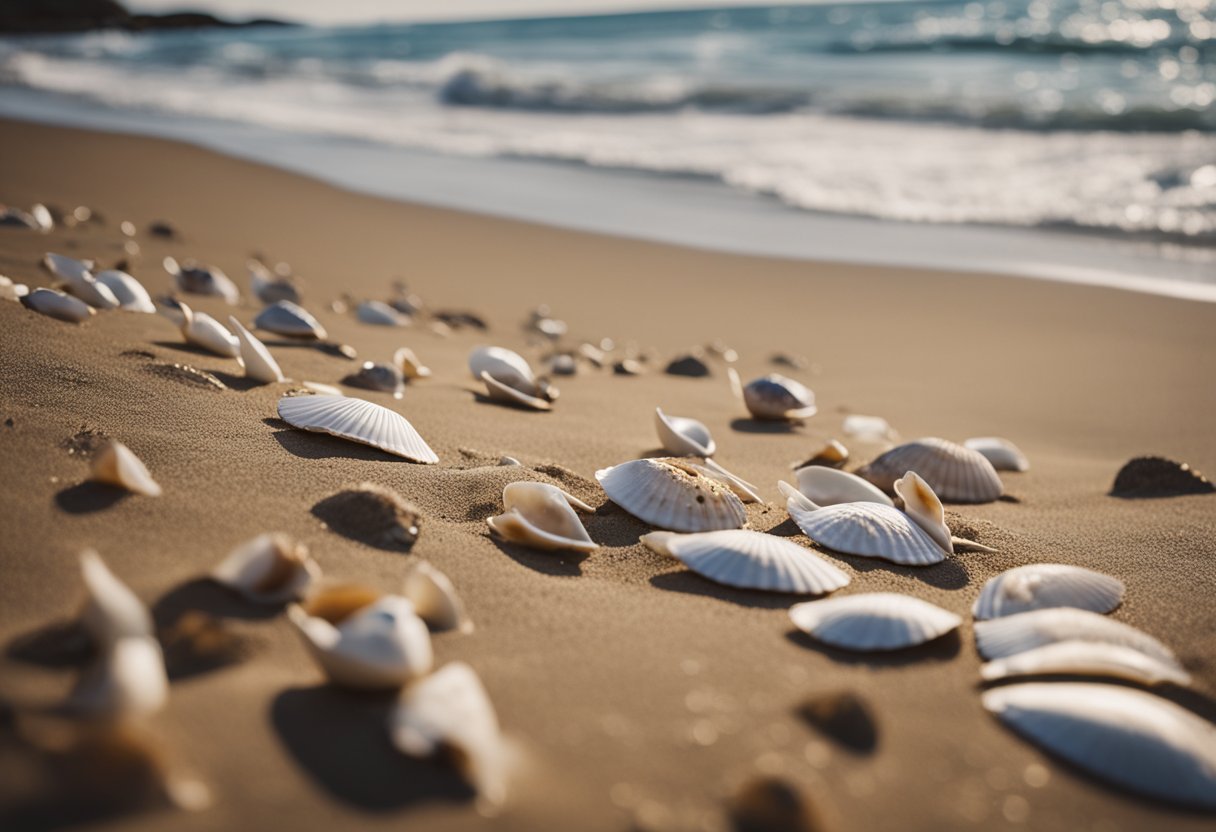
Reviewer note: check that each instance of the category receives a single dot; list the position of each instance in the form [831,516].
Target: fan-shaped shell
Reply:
[873,621]
[867,529]
[673,494]
[829,486]
[752,560]
[1003,454]
[1008,636]
[289,320]
[129,292]
[358,421]
[378,313]
[1039,586]
[204,331]
[435,599]
[956,474]
[542,516]
[197,279]
[405,360]
[1131,738]
[776,397]
[269,569]
[259,364]
[111,611]
[56,304]
[1086,658]
[115,464]
[682,436]
[128,679]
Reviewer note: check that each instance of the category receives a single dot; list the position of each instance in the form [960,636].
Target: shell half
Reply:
[1003,637]
[1039,586]
[259,364]
[829,486]
[359,421]
[204,331]
[406,361]
[956,474]
[752,560]
[683,436]
[78,278]
[115,464]
[874,621]
[542,516]
[198,279]
[378,313]
[1086,658]
[1003,454]
[269,569]
[435,599]
[500,392]
[290,320]
[56,304]
[673,494]
[776,397]
[129,292]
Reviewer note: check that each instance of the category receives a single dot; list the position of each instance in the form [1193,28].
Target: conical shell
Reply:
[286,318]
[111,611]
[500,392]
[829,487]
[129,292]
[1131,738]
[776,397]
[1039,586]
[673,494]
[115,464]
[410,366]
[874,621]
[867,529]
[956,474]
[752,560]
[127,680]
[1003,454]
[925,509]
[204,331]
[1086,658]
[56,304]
[542,516]
[682,436]
[358,421]
[269,569]
[504,366]
[198,279]
[1002,637]
[377,313]
[435,599]
[258,362]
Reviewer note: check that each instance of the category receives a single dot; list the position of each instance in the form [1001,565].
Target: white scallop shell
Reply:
[286,318]
[955,473]
[504,366]
[1086,658]
[753,560]
[259,364]
[682,436]
[269,569]
[500,392]
[1039,586]
[873,621]
[378,313]
[111,611]
[198,279]
[830,486]
[115,464]
[129,292]
[56,304]
[1008,636]
[922,505]
[410,366]
[78,278]
[204,331]
[435,599]
[542,516]
[776,397]
[128,679]
[381,646]
[450,709]
[1003,454]
[673,494]
[1131,738]
[868,428]
[358,421]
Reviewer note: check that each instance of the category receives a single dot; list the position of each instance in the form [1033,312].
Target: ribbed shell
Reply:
[869,530]
[1003,454]
[1086,658]
[129,292]
[829,486]
[286,318]
[56,304]
[672,494]
[956,474]
[1131,738]
[776,397]
[874,621]
[1038,586]
[358,421]
[1015,634]
[683,436]
[753,560]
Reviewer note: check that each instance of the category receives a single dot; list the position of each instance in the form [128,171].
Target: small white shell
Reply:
[78,279]
[259,364]
[378,313]
[1039,586]
[868,428]
[269,288]
[12,291]
[922,505]
[1086,658]
[286,318]
[435,599]
[269,569]
[500,392]
[127,680]
[1131,738]
[115,464]
[673,494]
[776,397]
[67,268]
[198,279]
[56,304]
[112,611]
[682,436]
[359,421]
[752,560]
[1003,454]
[542,516]
[955,473]
[410,366]
[204,331]
[1008,636]
[42,217]
[873,621]
[129,292]
[830,486]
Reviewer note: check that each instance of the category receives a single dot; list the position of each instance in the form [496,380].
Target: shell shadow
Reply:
[205,595]
[325,347]
[939,650]
[339,738]
[190,349]
[745,425]
[189,621]
[561,564]
[240,383]
[949,574]
[482,398]
[346,517]
[690,583]
[59,644]
[613,527]
[311,445]
[88,496]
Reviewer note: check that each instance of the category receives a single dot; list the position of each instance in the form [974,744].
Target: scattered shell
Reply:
[56,304]
[922,505]
[563,364]
[1131,738]
[682,436]
[410,366]
[873,621]
[845,717]
[270,569]
[1013,634]
[1086,658]
[460,319]
[628,367]
[504,366]
[736,383]
[12,291]
[828,487]
[1003,454]
[115,464]
[1155,476]
[15,217]
[358,421]
[289,320]
[269,287]
[752,560]
[197,279]
[377,313]
[435,599]
[508,460]
[322,388]
[259,364]
[129,292]
[593,354]
[868,428]
[373,514]
[832,455]
[673,494]
[204,331]
[1039,586]
[77,276]
[127,680]
[383,377]
[500,392]
[955,473]
[768,804]
[542,516]
[778,398]
[687,365]
[111,611]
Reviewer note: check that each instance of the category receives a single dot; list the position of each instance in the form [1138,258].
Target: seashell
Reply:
[405,360]
[77,276]
[1086,658]
[873,621]
[457,319]
[956,474]
[1013,634]
[777,397]
[268,287]
[42,217]
[736,383]
[508,460]
[204,331]
[129,292]
[832,455]
[380,646]
[657,542]
[595,356]
[1003,454]
[628,367]
[792,362]
[828,487]
[435,599]
[322,388]
[542,516]
[196,279]
[259,364]
[752,560]
[270,569]
[499,392]
[287,319]
[687,365]
[673,494]
[682,436]
[373,514]
[111,611]
[868,428]
[451,711]
[1038,586]
[115,464]
[56,304]
[1129,737]
[377,313]
[845,717]
[771,804]
[127,680]
[12,291]
[922,505]
[382,377]
[563,364]
[1155,476]
[14,217]
[358,421]
[504,366]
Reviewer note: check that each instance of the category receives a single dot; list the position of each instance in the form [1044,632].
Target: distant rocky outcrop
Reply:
[49,16]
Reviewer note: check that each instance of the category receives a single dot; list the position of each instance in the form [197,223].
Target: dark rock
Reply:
[843,716]
[41,16]
[1156,476]
[688,365]
[767,804]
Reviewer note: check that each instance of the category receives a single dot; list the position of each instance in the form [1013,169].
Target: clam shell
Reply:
[198,279]
[358,421]
[500,392]
[542,516]
[1131,738]
[267,287]
[405,360]
[682,436]
[383,377]
[776,397]
[752,560]
[1086,658]
[127,680]
[377,313]
[78,278]
[1003,637]
[269,569]
[204,331]
[115,464]
[1039,586]
[111,611]
[56,304]
[289,320]
[129,292]
[1003,454]
[435,599]
[259,364]
[828,487]
[673,494]
[873,621]
[955,473]
[504,366]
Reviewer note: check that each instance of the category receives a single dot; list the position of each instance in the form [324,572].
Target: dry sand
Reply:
[637,692]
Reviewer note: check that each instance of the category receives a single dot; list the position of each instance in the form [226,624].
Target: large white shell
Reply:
[776,397]
[829,486]
[198,279]
[450,710]
[1008,636]
[259,364]
[115,464]
[129,292]
[204,331]
[1039,586]
[128,679]
[286,318]
[111,611]
[753,560]
[504,366]
[673,494]
[381,646]
[873,621]
[1003,454]
[358,421]
[682,436]
[1086,658]
[269,569]
[435,599]
[1129,737]
[955,473]
[56,304]
[378,313]
[79,280]
[542,516]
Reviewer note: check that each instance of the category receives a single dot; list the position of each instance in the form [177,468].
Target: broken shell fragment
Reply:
[776,397]
[359,421]
[1003,454]
[753,560]
[682,436]
[269,569]
[409,365]
[435,599]
[115,464]
[56,304]
[542,516]
[499,392]
[285,318]
[1039,586]
[127,680]
[922,505]
[1086,658]
[259,364]
[112,611]
[873,621]
[673,494]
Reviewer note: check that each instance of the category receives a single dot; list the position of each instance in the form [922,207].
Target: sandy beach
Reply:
[636,693]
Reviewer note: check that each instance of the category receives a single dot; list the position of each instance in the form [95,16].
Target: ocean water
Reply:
[1095,117]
